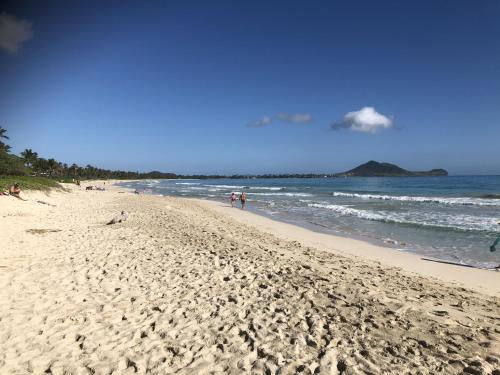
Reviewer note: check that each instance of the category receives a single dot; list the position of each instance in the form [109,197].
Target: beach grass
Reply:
[29,183]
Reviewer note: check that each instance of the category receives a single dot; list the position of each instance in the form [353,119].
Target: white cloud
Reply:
[13,33]
[304,118]
[264,121]
[366,120]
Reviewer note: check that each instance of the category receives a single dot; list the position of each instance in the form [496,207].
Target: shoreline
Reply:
[479,279]
[482,280]
[189,287]
[442,227]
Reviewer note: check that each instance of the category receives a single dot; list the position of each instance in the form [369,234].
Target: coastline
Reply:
[427,218]
[193,287]
[484,281]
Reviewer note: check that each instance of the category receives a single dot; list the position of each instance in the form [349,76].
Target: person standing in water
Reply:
[243,199]
[233,199]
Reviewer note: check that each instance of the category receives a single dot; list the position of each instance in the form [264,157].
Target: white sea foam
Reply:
[187,183]
[227,186]
[284,194]
[429,219]
[347,211]
[449,201]
[241,187]
[276,188]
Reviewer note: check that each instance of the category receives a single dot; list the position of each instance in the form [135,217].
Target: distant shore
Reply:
[193,286]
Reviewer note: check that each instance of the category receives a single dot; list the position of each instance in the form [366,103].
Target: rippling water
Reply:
[441,217]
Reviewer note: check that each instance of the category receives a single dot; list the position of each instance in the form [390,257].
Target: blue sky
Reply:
[182,86]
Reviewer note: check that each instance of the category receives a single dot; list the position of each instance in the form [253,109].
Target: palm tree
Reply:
[2,133]
[74,168]
[59,168]
[52,164]
[41,166]
[3,146]
[29,157]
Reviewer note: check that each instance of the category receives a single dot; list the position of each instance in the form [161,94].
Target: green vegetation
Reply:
[44,172]
[3,147]
[28,182]
[11,165]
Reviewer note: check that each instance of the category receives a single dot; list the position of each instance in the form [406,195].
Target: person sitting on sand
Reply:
[15,190]
[233,199]
[243,199]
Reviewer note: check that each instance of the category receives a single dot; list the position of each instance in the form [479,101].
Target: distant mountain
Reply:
[376,169]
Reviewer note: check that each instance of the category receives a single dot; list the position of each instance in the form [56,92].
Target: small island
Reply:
[376,169]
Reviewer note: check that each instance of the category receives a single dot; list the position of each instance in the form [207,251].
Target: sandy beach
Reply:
[195,287]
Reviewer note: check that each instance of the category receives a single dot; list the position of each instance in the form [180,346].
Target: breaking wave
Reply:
[242,187]
[284,194]
[449,201]
[435,219]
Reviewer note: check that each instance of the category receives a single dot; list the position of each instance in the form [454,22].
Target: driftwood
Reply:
[119,218]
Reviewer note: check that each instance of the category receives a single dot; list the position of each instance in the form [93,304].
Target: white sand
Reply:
[195,287]
[484,281]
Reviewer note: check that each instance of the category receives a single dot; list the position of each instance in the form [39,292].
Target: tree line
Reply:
[30,163]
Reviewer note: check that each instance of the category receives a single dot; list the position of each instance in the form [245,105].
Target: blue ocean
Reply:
[448,218]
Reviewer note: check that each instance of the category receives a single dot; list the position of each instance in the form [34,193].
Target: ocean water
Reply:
[444,218]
